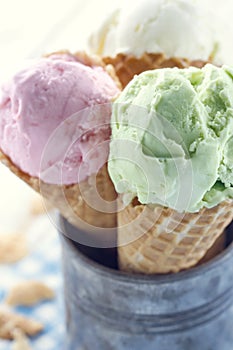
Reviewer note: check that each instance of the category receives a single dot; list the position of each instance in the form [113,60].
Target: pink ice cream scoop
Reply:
[54,119]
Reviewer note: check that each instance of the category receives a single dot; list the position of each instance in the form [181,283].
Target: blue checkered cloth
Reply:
[43,264]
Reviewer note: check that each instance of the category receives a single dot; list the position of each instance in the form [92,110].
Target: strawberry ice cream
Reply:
[54,119]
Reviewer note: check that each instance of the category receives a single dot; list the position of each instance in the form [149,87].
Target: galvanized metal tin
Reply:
[110,310]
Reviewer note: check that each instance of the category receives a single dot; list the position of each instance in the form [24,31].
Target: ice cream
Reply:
[170,159]
[177,28]
[55,133]
[172,138]
[36,107]
[155,34]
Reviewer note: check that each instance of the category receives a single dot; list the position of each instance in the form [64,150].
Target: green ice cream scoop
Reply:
[172,138]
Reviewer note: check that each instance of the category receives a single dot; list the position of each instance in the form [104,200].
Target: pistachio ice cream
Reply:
[172,138]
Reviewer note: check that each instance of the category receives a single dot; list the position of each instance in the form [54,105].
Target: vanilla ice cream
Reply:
[177,28]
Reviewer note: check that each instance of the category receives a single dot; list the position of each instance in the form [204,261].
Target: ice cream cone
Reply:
[126,66]
[88,203]
[78,202]
[161,240]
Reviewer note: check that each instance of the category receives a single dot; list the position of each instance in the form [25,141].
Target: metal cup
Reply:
[110,310]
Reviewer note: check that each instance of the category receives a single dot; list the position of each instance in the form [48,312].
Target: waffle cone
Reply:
[161,240]
[78,203]
[126,66]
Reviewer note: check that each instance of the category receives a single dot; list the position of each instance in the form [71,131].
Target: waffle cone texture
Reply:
[160,240]
[78,203]
[126,66]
